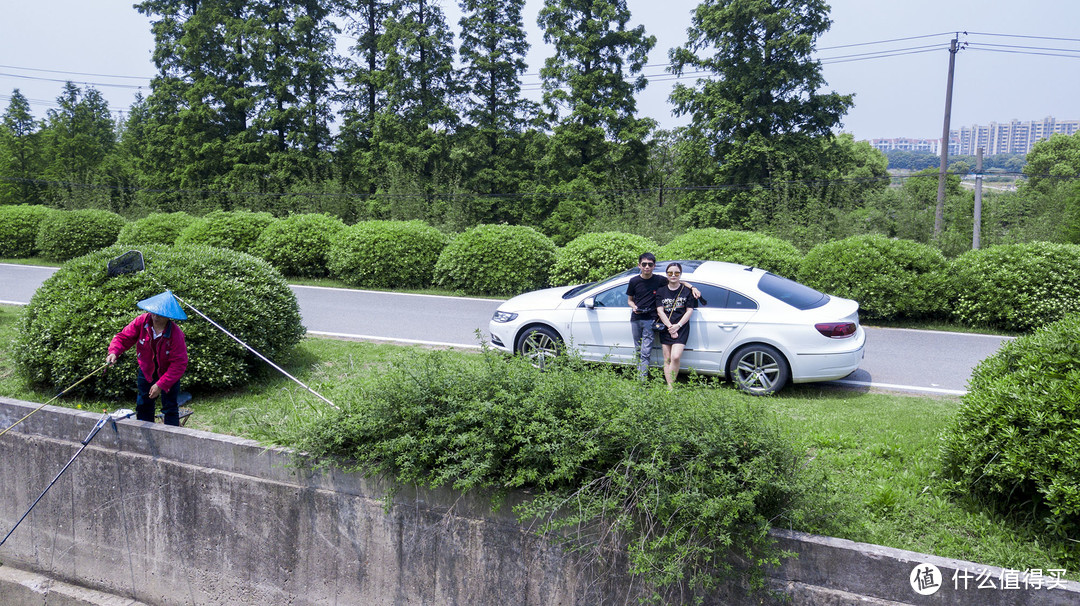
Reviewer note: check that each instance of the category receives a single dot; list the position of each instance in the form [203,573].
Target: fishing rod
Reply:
[123,413]
[73,385]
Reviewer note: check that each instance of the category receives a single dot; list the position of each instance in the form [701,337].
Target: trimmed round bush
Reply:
[155,228]
[1015,440]
[1016,286]
[235,230]
[496,260]
[299,245]
[387,254]
[65,330]
[742,247]
[19,227]
[889,278]
[592,257]
[67,234]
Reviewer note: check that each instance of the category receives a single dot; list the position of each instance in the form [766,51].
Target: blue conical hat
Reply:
[164,305]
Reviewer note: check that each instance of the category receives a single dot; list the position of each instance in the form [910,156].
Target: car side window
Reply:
[737,301]
[612,297]
[721,298]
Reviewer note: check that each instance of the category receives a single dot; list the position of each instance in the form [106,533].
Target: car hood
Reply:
[549,298]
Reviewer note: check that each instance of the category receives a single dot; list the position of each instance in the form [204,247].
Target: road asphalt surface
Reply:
[915,361]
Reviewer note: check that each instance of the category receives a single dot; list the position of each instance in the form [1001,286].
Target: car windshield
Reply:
[583,287]
[794,294]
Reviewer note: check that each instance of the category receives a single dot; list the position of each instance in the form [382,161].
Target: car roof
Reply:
[720,272]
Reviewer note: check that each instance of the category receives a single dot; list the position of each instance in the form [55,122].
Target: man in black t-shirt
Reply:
[641,294]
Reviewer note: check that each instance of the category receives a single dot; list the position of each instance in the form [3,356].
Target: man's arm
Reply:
[693,289]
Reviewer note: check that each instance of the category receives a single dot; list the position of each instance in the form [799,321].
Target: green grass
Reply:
[878,450]
[32,261]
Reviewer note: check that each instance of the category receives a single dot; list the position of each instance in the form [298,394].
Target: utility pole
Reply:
[939,212]
[976,226]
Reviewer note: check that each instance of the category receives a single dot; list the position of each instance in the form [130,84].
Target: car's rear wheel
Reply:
[540,345]
[759,369]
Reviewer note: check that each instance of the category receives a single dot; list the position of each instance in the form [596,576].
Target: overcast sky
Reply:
[46,42]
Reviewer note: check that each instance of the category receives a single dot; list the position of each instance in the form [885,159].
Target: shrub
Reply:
[387,254]
[1017,286]
[889,278]
[299,245]
[19,227]
[235,230]
[1015,440]
[677,481]
[496,260]
[155,228]
[592,257]
[67,234]
[73,316]
[742,247]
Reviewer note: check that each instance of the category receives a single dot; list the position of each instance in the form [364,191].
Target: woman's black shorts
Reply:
[665,336]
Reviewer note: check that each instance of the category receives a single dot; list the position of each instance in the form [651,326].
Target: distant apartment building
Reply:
[914,145]
[1013,137]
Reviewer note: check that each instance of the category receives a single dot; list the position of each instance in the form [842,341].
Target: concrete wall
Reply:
[149,514]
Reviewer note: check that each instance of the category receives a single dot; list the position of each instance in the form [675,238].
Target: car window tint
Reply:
[737,301]
[794,294]
[714,296]
[613,297]
[720,298]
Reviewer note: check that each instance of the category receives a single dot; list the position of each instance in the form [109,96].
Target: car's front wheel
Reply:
[759,369]
[539,344]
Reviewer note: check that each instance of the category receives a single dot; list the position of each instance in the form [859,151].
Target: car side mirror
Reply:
[589,303]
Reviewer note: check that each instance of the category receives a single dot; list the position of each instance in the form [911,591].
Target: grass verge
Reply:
[878,451]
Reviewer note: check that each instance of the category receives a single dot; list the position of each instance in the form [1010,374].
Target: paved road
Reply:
[896,359]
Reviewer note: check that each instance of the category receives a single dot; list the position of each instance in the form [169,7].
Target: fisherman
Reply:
[161,353]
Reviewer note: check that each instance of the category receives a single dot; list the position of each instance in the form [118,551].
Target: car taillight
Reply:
[836,330]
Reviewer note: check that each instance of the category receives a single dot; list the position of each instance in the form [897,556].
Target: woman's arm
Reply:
[683,321]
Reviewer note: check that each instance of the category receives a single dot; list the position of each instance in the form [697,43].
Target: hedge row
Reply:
[1014,287]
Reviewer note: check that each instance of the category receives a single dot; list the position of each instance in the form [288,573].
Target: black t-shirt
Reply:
[644,293]
[675,302]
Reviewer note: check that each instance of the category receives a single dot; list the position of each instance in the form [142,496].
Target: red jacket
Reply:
[165,357]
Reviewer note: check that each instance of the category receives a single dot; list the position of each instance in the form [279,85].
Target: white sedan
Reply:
[755,328]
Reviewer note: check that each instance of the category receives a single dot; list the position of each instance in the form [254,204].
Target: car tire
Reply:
[759,369]
[539,344]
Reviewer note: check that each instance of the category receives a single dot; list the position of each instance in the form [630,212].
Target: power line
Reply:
[1038,48]
[1022,36]
[94,84]
[917,52]
[884,41]
[57,71]
[1015,52]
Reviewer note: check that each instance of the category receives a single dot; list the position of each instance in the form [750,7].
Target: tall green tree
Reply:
[400,144]
[1053,185]
[293,68]
[200,100]
[20,154]
[491,145]
[758,112]
[77,137]
[590,85]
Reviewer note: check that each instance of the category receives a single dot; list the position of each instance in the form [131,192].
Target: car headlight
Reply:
[503,316]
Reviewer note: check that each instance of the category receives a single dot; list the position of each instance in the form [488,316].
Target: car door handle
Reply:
[728,326]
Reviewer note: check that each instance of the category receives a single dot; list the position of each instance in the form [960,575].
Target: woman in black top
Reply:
[674,304]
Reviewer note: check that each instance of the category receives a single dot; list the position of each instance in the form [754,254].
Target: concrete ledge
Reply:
[159,515]
[21,588]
